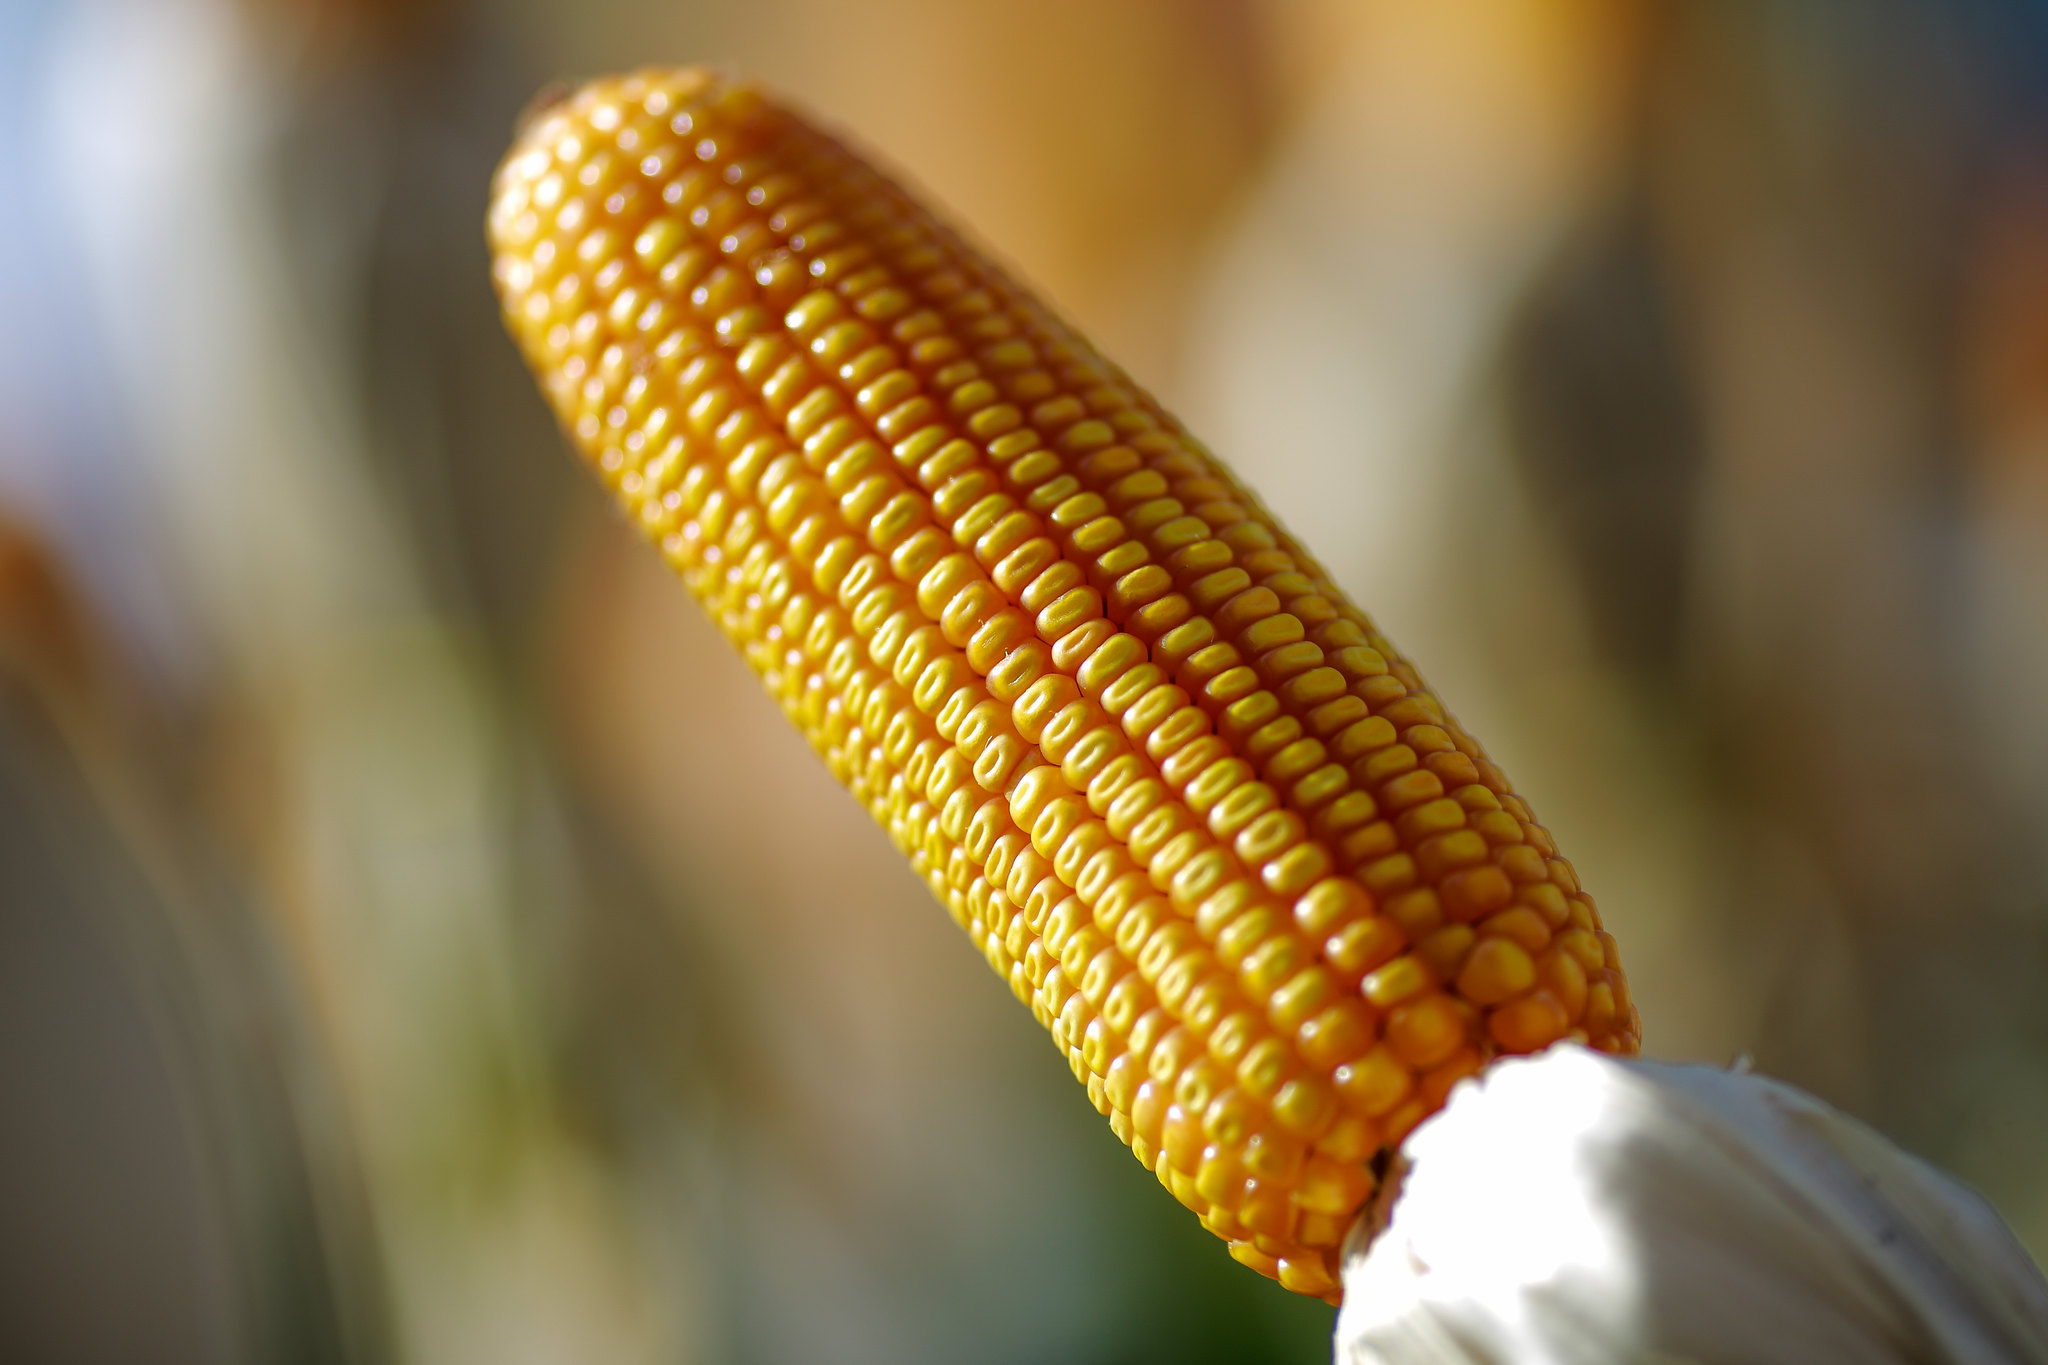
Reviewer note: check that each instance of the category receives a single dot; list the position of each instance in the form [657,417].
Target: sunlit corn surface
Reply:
[426,972]
[1269,898]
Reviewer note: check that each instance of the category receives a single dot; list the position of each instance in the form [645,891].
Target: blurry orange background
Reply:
[419,941]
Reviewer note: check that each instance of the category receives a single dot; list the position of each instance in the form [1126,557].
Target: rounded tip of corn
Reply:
[1266,895]
[543,101]
[562,113]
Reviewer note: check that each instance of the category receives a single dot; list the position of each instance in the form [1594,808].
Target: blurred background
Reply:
[418,941]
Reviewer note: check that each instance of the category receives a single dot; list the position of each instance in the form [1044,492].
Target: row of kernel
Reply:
[1435,826]
[1079,371]
[584,425]
[1328,781]
[758,582]
[881,486]
[1180,1185]
[742,579]
[1262,1208]
[1045,795]
[1183,1192]
[880,370]
[1026,565]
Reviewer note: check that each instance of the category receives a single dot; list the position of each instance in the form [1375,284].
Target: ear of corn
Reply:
[1267,896]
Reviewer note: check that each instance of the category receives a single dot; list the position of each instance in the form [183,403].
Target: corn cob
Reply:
[1268,897]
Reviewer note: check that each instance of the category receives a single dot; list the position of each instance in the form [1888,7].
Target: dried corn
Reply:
[1266,895]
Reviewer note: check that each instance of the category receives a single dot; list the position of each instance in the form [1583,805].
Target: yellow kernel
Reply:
[1445,949]
[1586,946]
[1524,865]
[1342,1031]
[1440,856]
[1330,904]
[1274,1157]
[1307,1273]
[1562,975]
[1426,1031]
[1351,1138]
[1367,736]
[1398,980]
[1216,782]
[1298,868]
[1220,1176]
[1269,1212]
[1522,925]
[1269,835]
[1417,910]
[1478,891]
[1601,1010]
[1305,1106]
[1301,996]
[1265,1066]
[1228,1118]
[1548,902]
[1384,876]
[1238,921]
[1332,1187]
[1375,1083]
[1241,807]
[1363,945]
[1528,1023]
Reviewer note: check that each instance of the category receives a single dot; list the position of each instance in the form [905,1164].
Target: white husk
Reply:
[1580,1209]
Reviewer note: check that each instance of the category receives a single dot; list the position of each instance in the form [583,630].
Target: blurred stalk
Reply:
[145,1005]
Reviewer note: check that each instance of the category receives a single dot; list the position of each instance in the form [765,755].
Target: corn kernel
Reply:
[1529,1023]
[1375,1083]
[1425,1031]
[1399,980]
[1364,945]
[1332,1187]
[1497,969]
[1351,1139]
[1341,1032]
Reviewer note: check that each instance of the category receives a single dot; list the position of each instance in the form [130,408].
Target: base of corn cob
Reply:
[1265,894]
